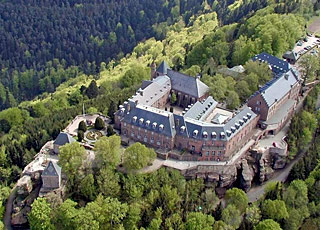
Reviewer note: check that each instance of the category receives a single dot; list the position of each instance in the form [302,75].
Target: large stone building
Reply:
[196,123]
[276,101]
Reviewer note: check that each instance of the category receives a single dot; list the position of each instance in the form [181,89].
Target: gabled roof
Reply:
[163,67]
[278,87]
[277,65]
[52,169]
[291,55]
[187,84]
[151,114]
[63,138]
[200,110]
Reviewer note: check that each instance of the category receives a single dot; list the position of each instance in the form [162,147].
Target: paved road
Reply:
[280,175]
[7,214]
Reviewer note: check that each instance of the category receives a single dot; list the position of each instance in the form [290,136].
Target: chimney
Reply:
[153,68]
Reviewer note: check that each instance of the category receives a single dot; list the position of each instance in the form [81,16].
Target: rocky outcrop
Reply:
[265,170]
[246,176]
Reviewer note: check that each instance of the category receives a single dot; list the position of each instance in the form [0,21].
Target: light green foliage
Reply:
[232,100]
[138,156]
[156,221]
[14,116]
[174,222]
[173,98]
[296,199]
[193,70]
[210,201]
[107,152]
[231,216]
[135,75]
[64,215]
[87,187]
[261,70]
[39,110]
[199,221]
[40,216]
[133,216]
[273,33]
[71,157]
[309,66]
[253,214]
[238,198]
[92,110]
[1,225]
[274,209]
[171,200]
[267,224]
[108,182]
[108,212]
[220,225]
[243,90]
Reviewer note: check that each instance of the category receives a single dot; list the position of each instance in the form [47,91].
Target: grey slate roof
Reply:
[200,110]
[291,55]
[63,138]
[278,87]
[209,128]
[153,115]
[52,169]
[152,92]
[278,66]
[163,67]
[187,84]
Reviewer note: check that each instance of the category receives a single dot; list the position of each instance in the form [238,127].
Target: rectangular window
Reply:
[213,153]
[193,147]
[207,153]
[132,134]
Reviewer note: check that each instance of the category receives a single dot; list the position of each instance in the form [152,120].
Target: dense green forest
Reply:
[44,43]
[94,68]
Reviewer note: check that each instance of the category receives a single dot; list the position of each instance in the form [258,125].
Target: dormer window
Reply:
[205,134]
[182,129]
[233,129]
[214,135]
[241,122]
[245,118]
[237,125]
[228,133]
[195,133]
[249,115]
[161,127]
[222,135]
[154,125]
[122,110]
[147,123]
[141,121]
[134,119]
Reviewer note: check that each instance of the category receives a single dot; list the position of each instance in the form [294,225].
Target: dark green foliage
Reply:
[82,126]
[99,124]
[92,91]
[110,131]
[112,109]
[4,126]
[80,135]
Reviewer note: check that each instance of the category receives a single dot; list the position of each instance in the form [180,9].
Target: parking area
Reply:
[307,44]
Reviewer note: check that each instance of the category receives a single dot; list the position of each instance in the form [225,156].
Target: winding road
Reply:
[7,215]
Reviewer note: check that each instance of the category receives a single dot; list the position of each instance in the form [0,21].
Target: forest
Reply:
[193,43]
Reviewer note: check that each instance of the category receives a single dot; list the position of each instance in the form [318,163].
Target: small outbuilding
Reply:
[62,139]
[51,176]
[291,57]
